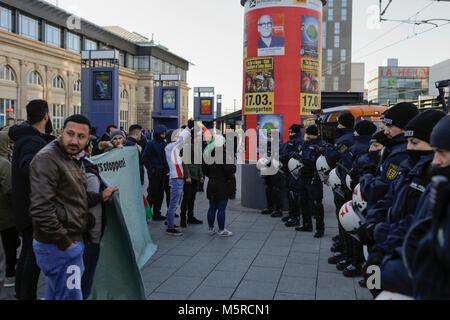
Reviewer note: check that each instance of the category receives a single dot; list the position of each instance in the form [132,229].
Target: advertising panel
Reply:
[205,106]
[102,85]
[169,99]
[260,86]
[271,35]
[310,86]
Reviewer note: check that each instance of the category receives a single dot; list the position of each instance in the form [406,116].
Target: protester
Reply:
[106,137]
[9,235]
[154,159]
[193,175]
[29,137]
[96,225]
[2,267]
[219,189]
[172,151]
[59,206]
[134,139]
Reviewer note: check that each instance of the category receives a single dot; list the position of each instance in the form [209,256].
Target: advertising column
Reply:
[282,63]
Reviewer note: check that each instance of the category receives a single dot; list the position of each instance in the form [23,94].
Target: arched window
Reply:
[7,74]
[124,95]
[58,83]
[77,86]
[35,78]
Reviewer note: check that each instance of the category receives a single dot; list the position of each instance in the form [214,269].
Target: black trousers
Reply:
[11,241]
[274,186]
[157,186]
[311,196]
[294,204]
[189,193]
[27,274]
[338,203]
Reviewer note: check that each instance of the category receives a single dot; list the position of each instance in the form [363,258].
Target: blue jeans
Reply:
[176,195]
[219,207]
[90,259]
[63,270]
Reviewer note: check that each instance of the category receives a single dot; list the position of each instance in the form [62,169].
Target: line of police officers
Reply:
[391,192]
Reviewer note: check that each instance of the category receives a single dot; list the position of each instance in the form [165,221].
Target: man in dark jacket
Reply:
[59,203]
[28,139]
[134,139]
[155,162]
[106,137]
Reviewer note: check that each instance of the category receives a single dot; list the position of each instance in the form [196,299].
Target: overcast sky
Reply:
[209,34]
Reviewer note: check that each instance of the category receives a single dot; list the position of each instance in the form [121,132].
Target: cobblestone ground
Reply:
[263,260]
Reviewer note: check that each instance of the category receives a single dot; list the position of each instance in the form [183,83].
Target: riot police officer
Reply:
[310,186]
[287,152]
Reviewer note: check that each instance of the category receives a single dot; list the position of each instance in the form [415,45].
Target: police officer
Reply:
[287,152]
[431,272]
[352,265]
[334,155]
[375,187]
[310,186]
[273,183]
[395,275]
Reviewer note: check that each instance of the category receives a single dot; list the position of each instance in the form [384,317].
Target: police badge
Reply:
[392,172]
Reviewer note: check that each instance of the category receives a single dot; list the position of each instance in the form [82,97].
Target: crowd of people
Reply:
[52,198]
[391,194]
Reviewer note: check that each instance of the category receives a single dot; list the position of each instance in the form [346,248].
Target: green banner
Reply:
[126,245]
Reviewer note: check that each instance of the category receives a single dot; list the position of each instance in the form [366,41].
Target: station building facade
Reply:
[40,58]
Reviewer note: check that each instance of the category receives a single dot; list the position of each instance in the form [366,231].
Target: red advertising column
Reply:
[282,63]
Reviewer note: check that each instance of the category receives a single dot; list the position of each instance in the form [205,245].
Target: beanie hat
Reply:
[440,137]
[169,135]
[379,137]
[347,120]
[117,133]
[312,130]
[295,128]
[422,125]
[400,114]
[365,128]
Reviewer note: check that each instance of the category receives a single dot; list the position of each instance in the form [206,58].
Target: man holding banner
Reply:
[59,208]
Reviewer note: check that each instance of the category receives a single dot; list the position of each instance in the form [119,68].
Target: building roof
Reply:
[130,36]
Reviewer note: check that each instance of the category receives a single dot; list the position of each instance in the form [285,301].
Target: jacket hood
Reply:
[159,129]
[102,145]
[24,129]
[4,142]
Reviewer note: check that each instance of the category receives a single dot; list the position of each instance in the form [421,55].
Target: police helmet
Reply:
[348,182]
[294,167]
[263,163]
[388,295]
[334,181]
[359,204]
[350,220]
[323,168]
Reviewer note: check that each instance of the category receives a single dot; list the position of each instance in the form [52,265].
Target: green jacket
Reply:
[193,171]
[6,213]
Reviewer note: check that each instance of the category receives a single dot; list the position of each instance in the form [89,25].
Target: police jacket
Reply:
[154,157]
[410,188]
[365,164]
[374,188]
[335,153]
[287,151]
[309,155]
[426,255]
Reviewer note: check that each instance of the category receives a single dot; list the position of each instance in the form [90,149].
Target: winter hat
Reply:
[379,137]
[117,133]
[169,135]
[440,137]
[400,114]
[312,130]
[365,128]
[422,125]
[347,120]
[295,128]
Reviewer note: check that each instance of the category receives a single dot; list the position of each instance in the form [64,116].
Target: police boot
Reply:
[337,247]
[353,271]
[286,219]
[304,228]
[336,258]
[341,266]
[276,214]
[266,211]
[293,222]
[362,283]
[318,234]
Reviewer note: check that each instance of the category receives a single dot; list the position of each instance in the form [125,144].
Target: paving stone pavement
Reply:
[263,260]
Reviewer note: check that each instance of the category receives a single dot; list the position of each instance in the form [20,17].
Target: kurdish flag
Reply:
[148,209]
[208,137]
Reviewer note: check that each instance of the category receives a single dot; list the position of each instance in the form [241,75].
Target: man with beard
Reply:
[59,206]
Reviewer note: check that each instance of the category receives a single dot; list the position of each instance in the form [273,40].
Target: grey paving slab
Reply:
[234,265]
[180,285]
[167,296]
[305,247]
[211,293]
[157,274]
[184,250]
[265,260]
[255,235]
[263,274]
[225,279]
[168,261]
[334,293]
[293,296]
[275,250]
[249,244]
[300,270]
[303,258]
[195,269]
[255,290]
[304,286]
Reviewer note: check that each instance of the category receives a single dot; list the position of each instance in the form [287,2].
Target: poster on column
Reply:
[310,36]
[245,38]
[310,98]
[266,123]
[260,85]
[271,30]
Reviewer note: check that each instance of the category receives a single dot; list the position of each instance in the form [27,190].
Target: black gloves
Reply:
[365,234]
[190,124]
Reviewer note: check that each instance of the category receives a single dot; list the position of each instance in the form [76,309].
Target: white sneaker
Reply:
[10,282]
[225,233]
[212,232]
